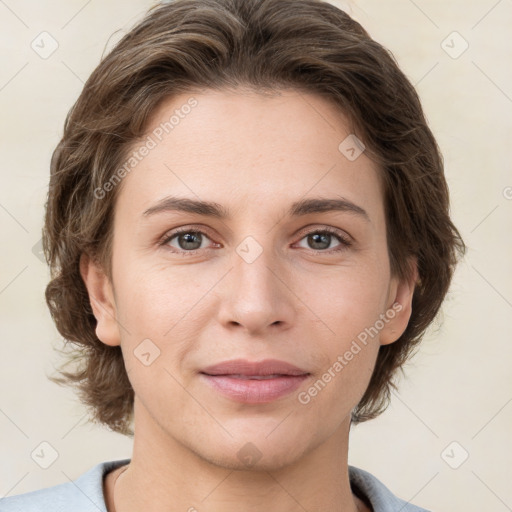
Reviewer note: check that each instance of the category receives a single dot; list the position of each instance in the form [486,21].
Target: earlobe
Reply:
[101,298]
[400,307]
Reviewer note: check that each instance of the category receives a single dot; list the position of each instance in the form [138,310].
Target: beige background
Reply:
[457,388]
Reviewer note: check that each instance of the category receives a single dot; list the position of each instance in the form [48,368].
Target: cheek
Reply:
[153,299]
[346,314]
[345,302]
[348,361]
[162,312]
[156,311]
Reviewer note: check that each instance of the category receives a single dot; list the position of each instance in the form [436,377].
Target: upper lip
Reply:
[245,367]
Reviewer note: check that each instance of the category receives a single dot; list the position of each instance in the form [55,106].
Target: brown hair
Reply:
[266,45]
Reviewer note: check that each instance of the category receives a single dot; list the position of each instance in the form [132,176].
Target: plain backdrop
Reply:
[444,443]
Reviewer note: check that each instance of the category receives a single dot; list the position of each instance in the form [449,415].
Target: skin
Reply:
[255,156]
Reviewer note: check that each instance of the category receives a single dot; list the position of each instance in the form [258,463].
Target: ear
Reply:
[399,306]
[101,297]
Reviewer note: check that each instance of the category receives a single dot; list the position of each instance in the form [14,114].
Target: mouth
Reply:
[254,382]
[252,377]
[245,368]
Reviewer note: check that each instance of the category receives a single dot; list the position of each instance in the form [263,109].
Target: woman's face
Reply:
[281,274]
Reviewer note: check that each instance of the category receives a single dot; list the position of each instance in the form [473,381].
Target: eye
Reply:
[187,241]
[320,239]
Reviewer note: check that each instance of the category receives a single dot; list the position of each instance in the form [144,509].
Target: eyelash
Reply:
[343,239]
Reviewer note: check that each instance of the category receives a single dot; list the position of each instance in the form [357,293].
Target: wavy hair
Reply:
[266,45]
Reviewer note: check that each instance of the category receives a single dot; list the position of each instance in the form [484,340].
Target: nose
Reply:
[256,296]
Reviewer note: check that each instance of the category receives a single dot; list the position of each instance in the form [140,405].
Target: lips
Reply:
[254,382]
[256,377]
[242,368]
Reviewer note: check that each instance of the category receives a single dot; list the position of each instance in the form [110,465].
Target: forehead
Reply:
[250,149]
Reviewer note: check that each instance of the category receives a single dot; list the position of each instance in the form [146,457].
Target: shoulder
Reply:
[381,498]
[85,494]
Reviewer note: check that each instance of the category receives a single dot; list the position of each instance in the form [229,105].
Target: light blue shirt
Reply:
[85,494]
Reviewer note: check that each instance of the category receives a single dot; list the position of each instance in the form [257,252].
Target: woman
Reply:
[248,230]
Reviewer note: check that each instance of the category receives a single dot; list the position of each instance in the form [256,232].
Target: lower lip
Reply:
[253,391]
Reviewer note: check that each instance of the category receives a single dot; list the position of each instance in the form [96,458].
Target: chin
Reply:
[255,452]
[251,460]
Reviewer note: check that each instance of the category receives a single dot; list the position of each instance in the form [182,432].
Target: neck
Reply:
[166,475]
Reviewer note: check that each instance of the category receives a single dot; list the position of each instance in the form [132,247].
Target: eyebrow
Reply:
[212,209]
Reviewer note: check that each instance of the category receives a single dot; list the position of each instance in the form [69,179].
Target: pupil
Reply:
[320,238]
[189,239]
